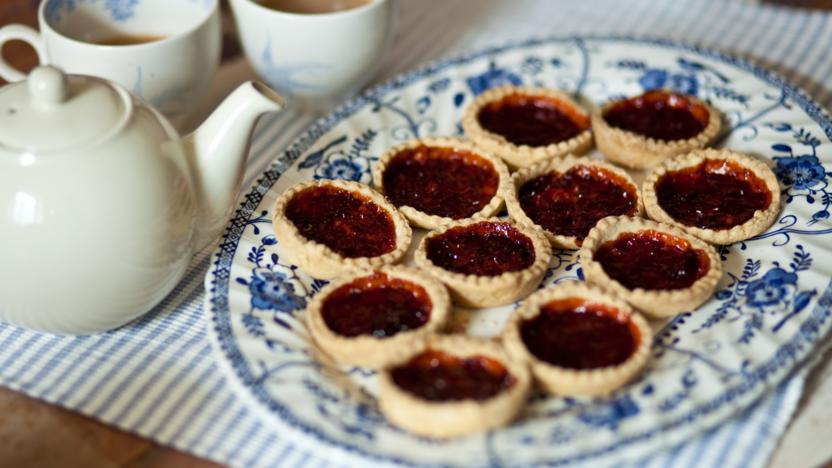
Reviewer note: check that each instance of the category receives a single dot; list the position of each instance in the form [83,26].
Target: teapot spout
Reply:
[218,150]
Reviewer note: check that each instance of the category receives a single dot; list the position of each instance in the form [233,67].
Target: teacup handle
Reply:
[19,32]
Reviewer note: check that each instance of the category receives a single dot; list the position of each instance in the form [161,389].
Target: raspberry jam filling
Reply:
[346,222]
[577,334]
[485,249]
[715,194]
[377,305]
[659,115]
[571,203]
[532,120]
[440,181]
[652,260]
[438,376]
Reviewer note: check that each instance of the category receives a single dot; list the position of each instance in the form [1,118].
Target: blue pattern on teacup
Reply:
[286,77]
[119,10]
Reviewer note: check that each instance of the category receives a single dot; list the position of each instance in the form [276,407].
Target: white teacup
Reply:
[316,59]
[173,72]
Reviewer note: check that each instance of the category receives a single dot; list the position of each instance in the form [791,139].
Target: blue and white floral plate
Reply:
[769,313]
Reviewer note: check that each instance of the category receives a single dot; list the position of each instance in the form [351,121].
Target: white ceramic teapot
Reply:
[102,204]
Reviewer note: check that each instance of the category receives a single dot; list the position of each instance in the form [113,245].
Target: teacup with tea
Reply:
[165,51]
[312,7]
[315,51]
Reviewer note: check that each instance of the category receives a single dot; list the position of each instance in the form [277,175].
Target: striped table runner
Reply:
[158,377]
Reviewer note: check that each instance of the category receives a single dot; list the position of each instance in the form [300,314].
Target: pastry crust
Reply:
[561,166]
[489,291]
[421,219]
[371,351]
[636,151]
[517,156]
[459,417]
[320,261]
[761,220]
[574,382]
[654,303]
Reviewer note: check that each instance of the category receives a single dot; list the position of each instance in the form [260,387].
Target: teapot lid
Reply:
[53,111]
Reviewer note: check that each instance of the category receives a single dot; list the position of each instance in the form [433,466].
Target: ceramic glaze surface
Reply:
[170,73]
[96,231]
[52,210]
[769,312]
[316,58]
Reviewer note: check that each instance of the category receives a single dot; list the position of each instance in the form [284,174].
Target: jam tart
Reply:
[331,227]
[526,125]
[452,386]
[485,263]
[720,196]
[578,339]
[655,267]
[373,318]
[643,131]
[566,197]
[434,181]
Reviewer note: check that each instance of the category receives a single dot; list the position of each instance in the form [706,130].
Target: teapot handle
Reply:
[19,32]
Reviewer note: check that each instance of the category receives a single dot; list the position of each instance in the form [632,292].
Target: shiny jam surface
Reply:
[652,260]
[532,120]
[377,305]
[715,194]
[438,376]
[486,249]
[346,222]
[570,203]
[659,115]
[440,181]
[577,334]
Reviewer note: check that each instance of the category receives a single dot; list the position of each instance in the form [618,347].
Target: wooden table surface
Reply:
[35,433]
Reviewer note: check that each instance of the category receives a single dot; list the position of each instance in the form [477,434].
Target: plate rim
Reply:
[220,334]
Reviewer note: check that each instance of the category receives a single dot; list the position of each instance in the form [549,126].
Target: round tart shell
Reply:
[460,417]
[761,220]
[370,351]
[637,151]
[320,261]
[561,166]
[489,291]
[517,156]
[654,303]
[575,382]
[424,220]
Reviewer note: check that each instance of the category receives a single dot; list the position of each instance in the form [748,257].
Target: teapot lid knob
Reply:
[53,111]
[48,86]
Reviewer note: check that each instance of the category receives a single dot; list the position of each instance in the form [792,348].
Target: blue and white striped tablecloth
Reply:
[158,377]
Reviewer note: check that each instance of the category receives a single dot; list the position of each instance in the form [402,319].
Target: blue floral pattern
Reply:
[769,310]
[119,10]
[751,298]
[273,286]
[802,174]
[688,77]
[332,162]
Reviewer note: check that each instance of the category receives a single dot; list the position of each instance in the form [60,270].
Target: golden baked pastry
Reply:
[578,339]
[373,318]
[525,125]
[566,197]
[453,386]
[718,195]
[485,263]
[331,227]
[435,181]
[643,131]
[657,268]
